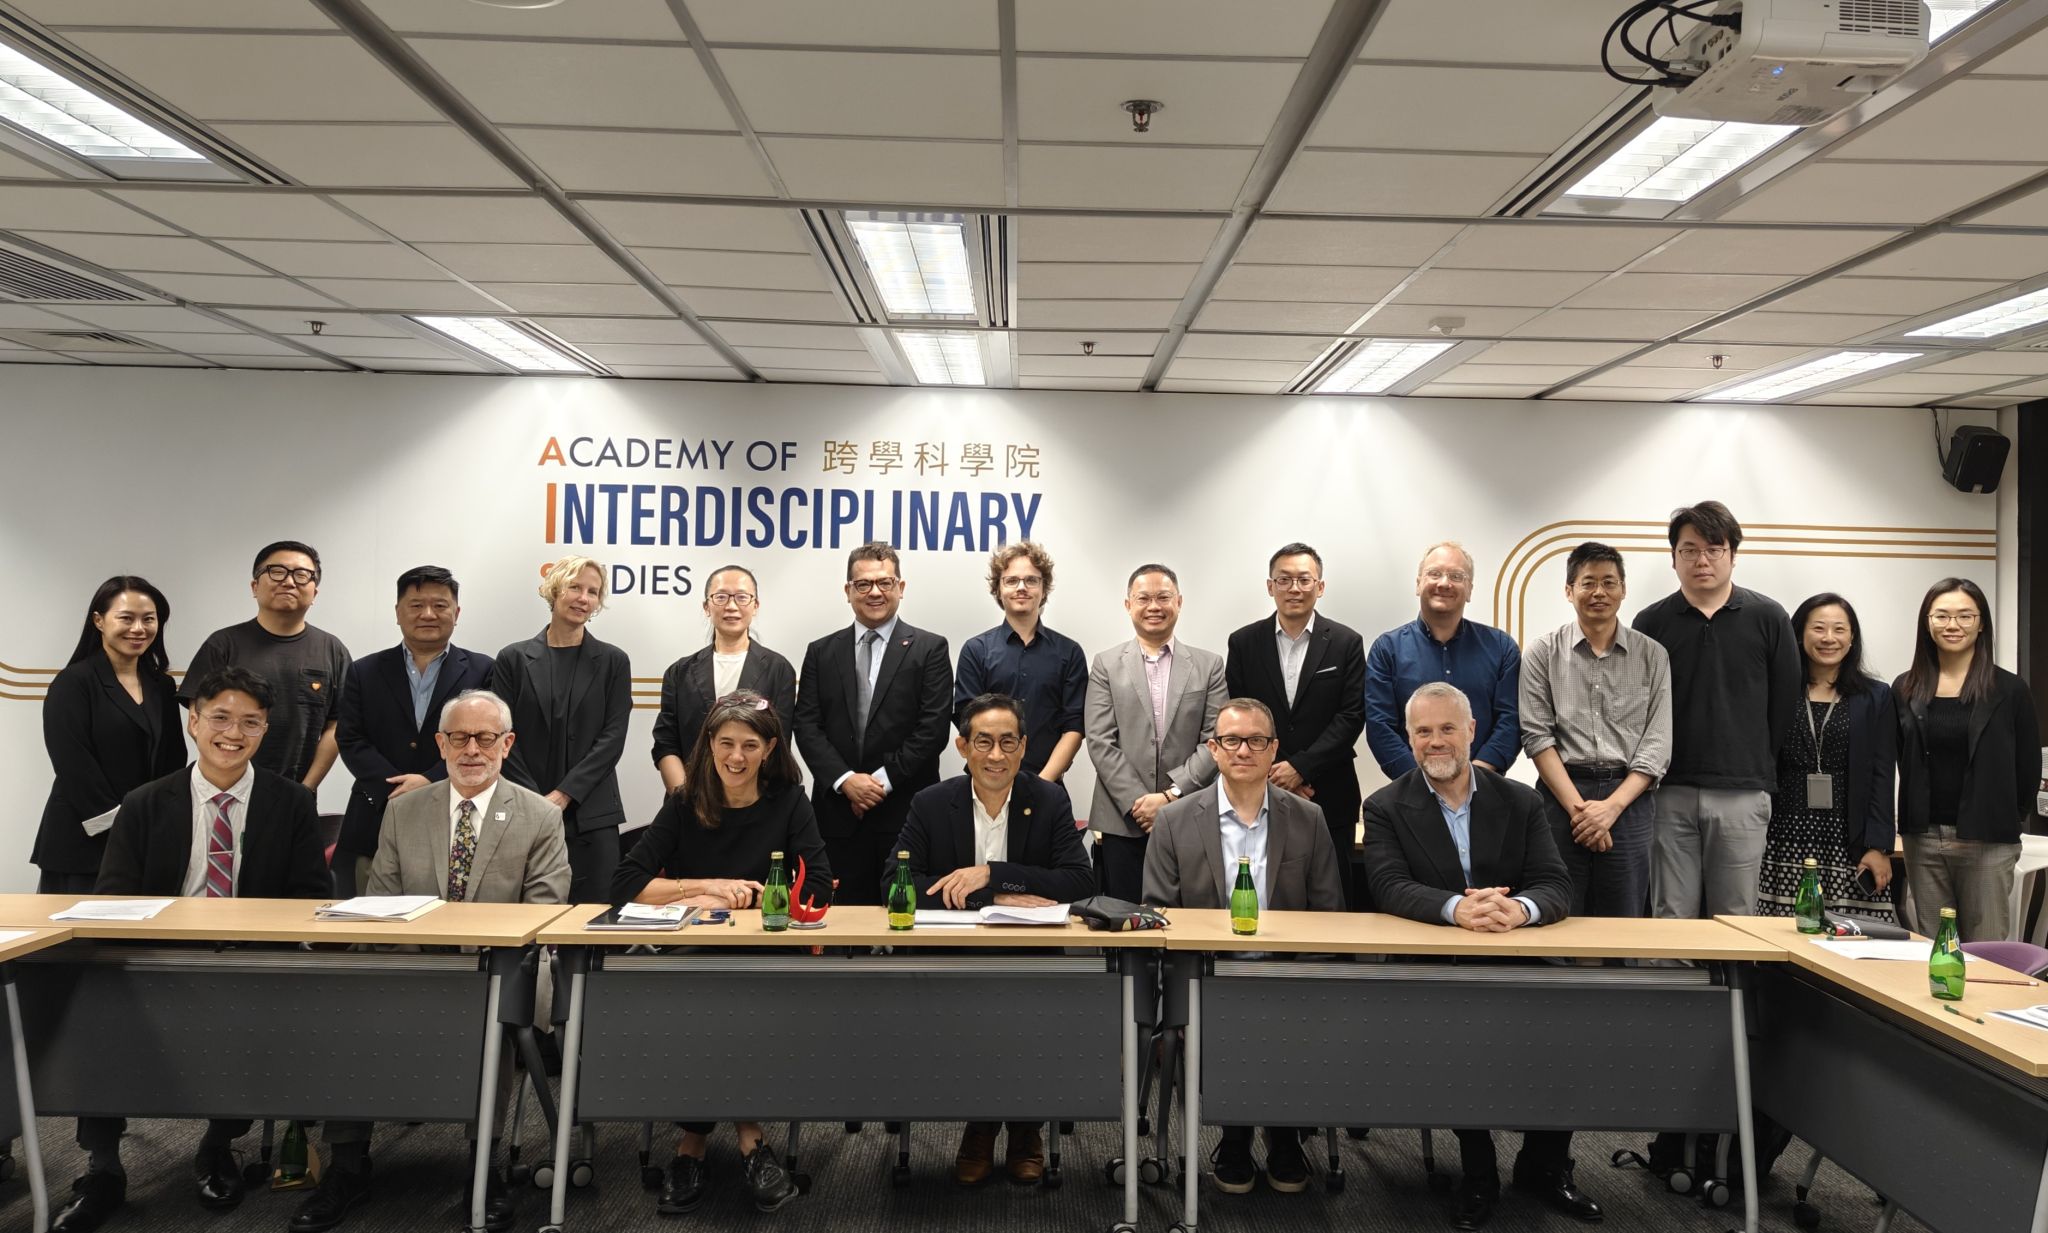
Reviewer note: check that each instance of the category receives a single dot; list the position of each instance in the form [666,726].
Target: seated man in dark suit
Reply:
[1456,844]
[218,829]
[987,837]
[1191,862]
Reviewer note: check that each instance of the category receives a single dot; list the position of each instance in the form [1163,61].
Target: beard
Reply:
[1443,767]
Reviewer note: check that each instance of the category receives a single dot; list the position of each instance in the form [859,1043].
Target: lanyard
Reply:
[1826,716]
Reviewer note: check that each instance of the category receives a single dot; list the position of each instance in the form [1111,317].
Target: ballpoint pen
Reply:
[1960,1014]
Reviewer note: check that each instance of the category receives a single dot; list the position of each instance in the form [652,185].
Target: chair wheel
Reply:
[255,1173]
[1805,1215]
[1067,1128]
[1357,1134]
[802,1181]
[1334,1183]
[1440,1182]
[1680,1181]
[853,1128]
[650,1177]
[1052,1180]
[1715,1194]
[580,1173]
[1113,1171]
[1152,1172]
[1144,1125]
[899,1176]
[544,1177]
[551,1228]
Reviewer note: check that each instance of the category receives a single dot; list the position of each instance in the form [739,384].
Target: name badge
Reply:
[1820,791]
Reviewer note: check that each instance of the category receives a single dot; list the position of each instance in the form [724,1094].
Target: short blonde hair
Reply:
[1453,546]
[567,570]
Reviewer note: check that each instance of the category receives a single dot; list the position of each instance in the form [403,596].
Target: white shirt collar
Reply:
[1280,630]
[482,800]
[1224,807]
[888,631]
[203,789]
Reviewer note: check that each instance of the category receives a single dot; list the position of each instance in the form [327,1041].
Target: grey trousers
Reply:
[1707,852]
[1973,877]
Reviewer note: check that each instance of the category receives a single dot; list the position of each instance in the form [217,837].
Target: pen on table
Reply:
[1959,1014]
[1998,980]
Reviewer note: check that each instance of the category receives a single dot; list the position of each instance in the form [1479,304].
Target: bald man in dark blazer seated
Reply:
[993,836]
[1191,862]
[1455,844]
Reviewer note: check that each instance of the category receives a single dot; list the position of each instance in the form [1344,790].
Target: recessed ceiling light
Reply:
[1811,375]
[1992,320]
[1377,365]
[938,357]
[507,343]
[919,263]
[44,102]
[1677,159]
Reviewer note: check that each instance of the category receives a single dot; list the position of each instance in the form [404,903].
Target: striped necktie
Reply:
[220,851]
[462,851]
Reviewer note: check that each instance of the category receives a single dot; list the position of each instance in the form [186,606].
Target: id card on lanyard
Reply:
[1820,787]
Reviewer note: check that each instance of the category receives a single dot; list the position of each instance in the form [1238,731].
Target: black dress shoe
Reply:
[1475,1206]
[1559,1191]
[220,1179]
[94,1197]
[341,1191]
[683,1189]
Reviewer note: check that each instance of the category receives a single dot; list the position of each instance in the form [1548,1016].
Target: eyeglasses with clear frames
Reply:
[1019,582]
[740,599]
[221,721]
[1688,554]
[1145,599]
[1257,744]
[484,741]
[1961,620]
[982,742]
[279,573]
[1441,576]
[1295,582]
[878,586]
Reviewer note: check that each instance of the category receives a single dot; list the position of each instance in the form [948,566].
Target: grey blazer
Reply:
[520,856]
[1123,742]
[1184,862]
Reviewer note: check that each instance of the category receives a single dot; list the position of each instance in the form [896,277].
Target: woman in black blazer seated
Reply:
[733,661]
[710,846]
[110,722]
[1969,765]
[1846,732]
[571,696]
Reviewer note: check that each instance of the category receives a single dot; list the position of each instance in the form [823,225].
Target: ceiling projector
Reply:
[1796,62]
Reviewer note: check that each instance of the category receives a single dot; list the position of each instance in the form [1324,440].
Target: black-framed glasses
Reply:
[484,741]
[280,573]
[881,586]
[743,599]
[1717,552]
[1257,744]
[1295,582]
[982,742]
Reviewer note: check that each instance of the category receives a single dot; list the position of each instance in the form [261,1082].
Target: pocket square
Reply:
[1331,668]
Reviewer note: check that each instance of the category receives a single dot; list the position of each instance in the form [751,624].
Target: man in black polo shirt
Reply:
[1735,682]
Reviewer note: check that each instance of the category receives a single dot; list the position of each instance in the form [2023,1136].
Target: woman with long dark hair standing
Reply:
[110,723]
[1969,766]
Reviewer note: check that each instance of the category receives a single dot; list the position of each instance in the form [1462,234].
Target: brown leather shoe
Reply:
[1024,1154]
[977,1153]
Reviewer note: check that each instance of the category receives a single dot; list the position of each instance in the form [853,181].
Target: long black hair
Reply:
[155,659]
[1925,674]
[1851,677]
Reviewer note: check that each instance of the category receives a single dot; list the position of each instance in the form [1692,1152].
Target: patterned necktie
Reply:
[462,852]
[864,683]
[220,851]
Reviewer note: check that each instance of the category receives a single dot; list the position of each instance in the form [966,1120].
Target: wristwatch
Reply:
[1173,792]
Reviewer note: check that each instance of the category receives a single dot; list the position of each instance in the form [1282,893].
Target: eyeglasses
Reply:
[221,721]
[1962,620]
[1257,744]
[1688,554]
[1302,582]
[878,586]
[1441,576]
[278,573]
[982,742]
[1599,584]
[1145,599]
[742,599]
[1021,583]
[485,741]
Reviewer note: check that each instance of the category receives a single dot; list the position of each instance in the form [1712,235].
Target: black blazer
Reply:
[101,748]
[379,739]
[151,841]
[1319,731]
[1413,866]
[908,722]
[600,703]
[1045,853]
[686,696]
[2005,763]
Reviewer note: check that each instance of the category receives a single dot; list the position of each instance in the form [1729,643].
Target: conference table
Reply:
[1945,1116]
[18,1115]
[270,1028]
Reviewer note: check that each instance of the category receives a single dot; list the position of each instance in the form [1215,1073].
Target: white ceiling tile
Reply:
[1351,284]
[372,155]
[807,376]
[249,213]
[2030,210]
[1923,382]
[765,334]
[1051,280]
[1501,288]
[1068,238]
[1172,27]
[294,361]
[2014,363]
[527,263]
[581,330]
[1640,377]
[664,373]
[22,317]
[1343,241]
[1125,177]
[248,14]
[574,297]
[613,19]
[451,365]
[407,296]
[580,83]
[789,305]
[1095,314]
[1249,347]
[1492,31]
[215,76]
[322,259]
[1118,384]
[673,354]
[1552,246]
[2012,394]
[1815,329]
[800,358]
[144,253]
[1065,342]
[231,289]
[1958,121]
[1407,107]
[2029,56]
[644,162]
[1279,372]
[219,344]
[1513,374]
[1757,250]
[1452,389]
[875,23]
[2005,258]
[144,361]
[704,267]
[1874,192]
[1224,315]
[1897,296]
[1208,102]
[1099,366]
[662,225]
[1186,385]
[1347,183]
[1405,319]
[1588,393]
[24,208]
[1715,291]
[503,220]
[1984,401]
[1581,354]
[125,317]
[334,325]
[1859,398]
[867,94]
[905,172]
[405,347]
[1734,358]
[1610,323]
[34,357]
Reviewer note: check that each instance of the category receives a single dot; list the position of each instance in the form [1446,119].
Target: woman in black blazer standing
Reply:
[734,661]
[571,696]
[1969,766]
[110,722]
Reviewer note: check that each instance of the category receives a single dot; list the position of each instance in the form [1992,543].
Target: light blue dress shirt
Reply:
[1242,839]
[1459,822]
[423,683]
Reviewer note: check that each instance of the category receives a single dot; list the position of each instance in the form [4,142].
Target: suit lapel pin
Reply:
[498,816]
[1027,811]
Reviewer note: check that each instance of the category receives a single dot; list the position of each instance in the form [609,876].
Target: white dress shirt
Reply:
[203,793]
[483,803]
[991,830]
[1293,653]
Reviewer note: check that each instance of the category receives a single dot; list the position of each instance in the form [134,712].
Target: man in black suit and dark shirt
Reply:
[993,836]
[1310,671]
[391,709]
[1456,844]
[220,828]
[872,710]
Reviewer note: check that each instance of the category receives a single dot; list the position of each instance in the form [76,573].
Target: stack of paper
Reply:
[2032,1016]
[995,914]
[378,907]
[644,917]
[112,909]
[1876,948]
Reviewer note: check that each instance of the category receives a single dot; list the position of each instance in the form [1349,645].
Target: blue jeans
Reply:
[1615,882]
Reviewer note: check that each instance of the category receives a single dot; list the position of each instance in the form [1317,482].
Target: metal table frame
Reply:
[24,1107]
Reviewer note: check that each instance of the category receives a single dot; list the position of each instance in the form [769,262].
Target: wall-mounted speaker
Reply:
[1976,458]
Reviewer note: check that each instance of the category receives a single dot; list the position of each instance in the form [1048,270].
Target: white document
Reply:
[100,823]
[2031,1016]
[113,909]
[1908,951]
[12,935]
[947,918]
[997,914]
[379,907]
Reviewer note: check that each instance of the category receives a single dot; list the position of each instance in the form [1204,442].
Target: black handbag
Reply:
[1108,914]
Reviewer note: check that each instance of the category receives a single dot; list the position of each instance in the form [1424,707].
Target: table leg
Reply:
[2040,1224]
[1130,1221]
[565,1105]
[1191,1112]
[486,1105]
[1739,1040]
[31,1147]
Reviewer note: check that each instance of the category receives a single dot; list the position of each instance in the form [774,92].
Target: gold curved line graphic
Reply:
[7,667]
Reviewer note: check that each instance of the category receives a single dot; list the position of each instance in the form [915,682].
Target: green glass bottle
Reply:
[775,895]
[291,1155]
[1807,906]
[902,896]
[1945,963]
[1244,900]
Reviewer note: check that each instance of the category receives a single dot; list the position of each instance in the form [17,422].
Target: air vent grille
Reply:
[79,340]
[26,278]
[1895,17]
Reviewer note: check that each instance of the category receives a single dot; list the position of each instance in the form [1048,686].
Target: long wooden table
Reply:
[22,1109]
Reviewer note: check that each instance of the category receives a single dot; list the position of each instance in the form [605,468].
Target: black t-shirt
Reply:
[305,672]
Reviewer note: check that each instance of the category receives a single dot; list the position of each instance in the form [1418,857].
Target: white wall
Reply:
[180,476]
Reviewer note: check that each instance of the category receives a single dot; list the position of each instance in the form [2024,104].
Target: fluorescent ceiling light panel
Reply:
[919,263]
[2004,317]
[44,102]
[943,357]
[507,344]
[1379,364]
[1677,159]
[1811,375]
[1946,15]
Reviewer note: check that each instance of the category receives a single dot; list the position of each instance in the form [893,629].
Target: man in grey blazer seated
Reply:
[1150,708]
[471,838]
[1192,860]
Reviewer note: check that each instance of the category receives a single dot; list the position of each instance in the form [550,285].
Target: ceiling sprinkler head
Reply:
[1088,347]
[1718,360]
[1142,110]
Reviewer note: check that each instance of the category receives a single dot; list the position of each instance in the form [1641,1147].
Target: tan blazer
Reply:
[520,856]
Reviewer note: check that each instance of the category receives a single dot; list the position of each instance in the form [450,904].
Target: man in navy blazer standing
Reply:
[391,708]
[993,836]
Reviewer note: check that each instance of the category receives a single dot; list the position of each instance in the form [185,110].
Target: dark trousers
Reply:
[1615,882]
[104,1133]
[593,859]
[1120,866]
[1544,1152]
[1340,813]
[50,882]
[858,860]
